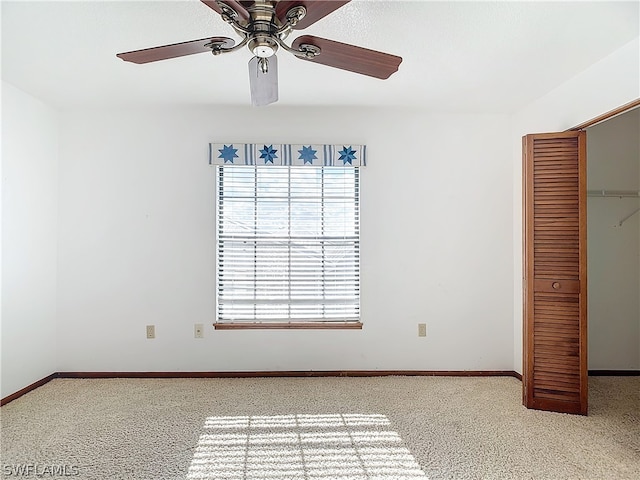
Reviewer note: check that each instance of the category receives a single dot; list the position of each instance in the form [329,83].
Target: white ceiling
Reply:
[458,56]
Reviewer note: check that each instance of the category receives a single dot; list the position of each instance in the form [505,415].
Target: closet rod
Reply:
[613,193]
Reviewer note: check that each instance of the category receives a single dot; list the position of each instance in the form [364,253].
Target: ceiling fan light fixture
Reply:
[263,46]
[264,51]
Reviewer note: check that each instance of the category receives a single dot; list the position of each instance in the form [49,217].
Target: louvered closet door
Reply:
[555,280]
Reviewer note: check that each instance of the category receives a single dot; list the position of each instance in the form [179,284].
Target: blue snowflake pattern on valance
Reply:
[287,154]
[228,153]
[268,154]
[347,155]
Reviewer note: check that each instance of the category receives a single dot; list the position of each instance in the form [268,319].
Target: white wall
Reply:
[137,241]
[613,160]
[441,234]
[608,84]
[29,239]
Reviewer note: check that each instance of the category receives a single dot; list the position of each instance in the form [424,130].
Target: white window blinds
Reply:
[288,243]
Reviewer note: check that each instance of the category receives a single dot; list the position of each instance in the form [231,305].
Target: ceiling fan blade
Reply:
[351,58]
[316,10]
[237,6]
[174,50]
[264,85]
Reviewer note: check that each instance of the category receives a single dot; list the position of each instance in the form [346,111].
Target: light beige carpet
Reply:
[385,428]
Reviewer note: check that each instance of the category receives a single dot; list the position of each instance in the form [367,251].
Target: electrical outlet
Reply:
[151,331]
[422,329]
[198,330]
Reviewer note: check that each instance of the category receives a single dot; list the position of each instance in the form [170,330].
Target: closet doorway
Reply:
[555,263]
[613,244]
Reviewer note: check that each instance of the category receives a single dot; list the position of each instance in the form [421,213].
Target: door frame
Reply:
[607,115]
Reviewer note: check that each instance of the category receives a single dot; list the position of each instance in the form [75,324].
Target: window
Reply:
[288,246]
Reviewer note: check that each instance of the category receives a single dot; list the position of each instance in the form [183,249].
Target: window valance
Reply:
[287,154]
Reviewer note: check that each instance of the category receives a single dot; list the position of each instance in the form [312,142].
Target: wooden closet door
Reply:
[555,276]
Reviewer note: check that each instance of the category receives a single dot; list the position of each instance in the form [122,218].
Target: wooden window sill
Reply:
[290,326]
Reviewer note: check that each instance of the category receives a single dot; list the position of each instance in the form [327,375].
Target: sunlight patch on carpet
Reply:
[314,447]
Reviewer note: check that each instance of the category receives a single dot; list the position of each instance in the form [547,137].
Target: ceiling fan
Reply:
[263,27]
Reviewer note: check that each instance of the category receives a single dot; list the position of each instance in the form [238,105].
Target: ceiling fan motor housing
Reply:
[263,26]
